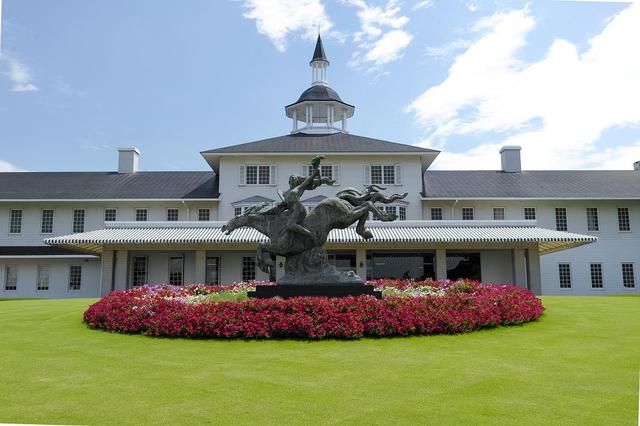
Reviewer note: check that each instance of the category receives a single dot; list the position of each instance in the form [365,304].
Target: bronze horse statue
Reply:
[299,236]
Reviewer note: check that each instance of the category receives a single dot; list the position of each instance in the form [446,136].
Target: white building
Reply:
[85,234]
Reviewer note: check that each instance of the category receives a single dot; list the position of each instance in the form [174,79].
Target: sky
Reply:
[79,79]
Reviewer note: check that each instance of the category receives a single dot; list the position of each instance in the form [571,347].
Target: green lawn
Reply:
[579,364]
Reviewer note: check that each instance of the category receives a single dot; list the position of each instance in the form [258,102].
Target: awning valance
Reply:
[399,233]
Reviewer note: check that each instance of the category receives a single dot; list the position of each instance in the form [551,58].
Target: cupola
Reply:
[319,109]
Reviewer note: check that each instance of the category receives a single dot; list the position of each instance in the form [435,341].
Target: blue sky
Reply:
[79,79]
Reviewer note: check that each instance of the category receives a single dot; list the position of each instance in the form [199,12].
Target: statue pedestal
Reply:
[313,290]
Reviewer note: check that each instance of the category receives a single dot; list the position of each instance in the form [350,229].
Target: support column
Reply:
[533,270]
[519,268]
[200,265]
[295,119]
[280,260]
[344,120]
[441,264]
[361,263]
[106,275]
[121,270]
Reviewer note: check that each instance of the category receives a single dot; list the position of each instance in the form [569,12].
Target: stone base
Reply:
[314,290]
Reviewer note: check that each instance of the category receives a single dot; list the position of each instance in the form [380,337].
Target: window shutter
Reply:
[336,173]
[272,174]
[305,170]
[243,175]
[398,174]
[367,174]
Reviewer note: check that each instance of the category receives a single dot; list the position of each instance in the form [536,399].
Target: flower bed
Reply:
[407,308]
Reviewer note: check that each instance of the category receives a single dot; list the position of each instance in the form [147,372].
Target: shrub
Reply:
[408,308]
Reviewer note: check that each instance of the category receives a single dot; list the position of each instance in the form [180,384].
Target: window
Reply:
[628,276]
[78,220]
[329,171]
[463,265]
[592,219]
[436,213]
[75,277]
[212,270]
[237,211]
[257,174]
[344,262]
[204,215]
[43,278]
[400,211]
[176,269]
[248,268]
[561,219]
[110,215]
[139,271]
[498,213]
[467,213]
[624,224]
[564,275]
[15,221]
[596,275]
[11,277]
[46,221]
[529,213]
[382,175]
[141,215]
[418,266]
[172,215]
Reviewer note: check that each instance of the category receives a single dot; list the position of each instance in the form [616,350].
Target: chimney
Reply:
[636,166]
[510,159]
[128,160]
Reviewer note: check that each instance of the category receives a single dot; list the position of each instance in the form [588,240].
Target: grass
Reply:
[578,364]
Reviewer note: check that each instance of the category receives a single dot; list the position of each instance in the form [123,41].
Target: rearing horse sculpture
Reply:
[299,236]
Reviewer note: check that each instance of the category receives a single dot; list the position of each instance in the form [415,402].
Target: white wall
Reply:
[351,174]
[612,249]
[58,278]
[496,266]
[94,216]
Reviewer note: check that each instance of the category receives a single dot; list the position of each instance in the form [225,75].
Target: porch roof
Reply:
[477,232]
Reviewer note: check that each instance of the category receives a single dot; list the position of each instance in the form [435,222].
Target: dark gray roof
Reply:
[318,53]
[532,184]
[108,185]
[37,251]
[315,199]
[255,199]
[310,143]
[319,93]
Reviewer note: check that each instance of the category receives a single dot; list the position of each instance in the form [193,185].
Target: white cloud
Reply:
[556,108]
[603,1]
[277,19]
[94,147]
[389,47]
[8,167]
[424,4]
[19,73]
[381,38]
[447,49]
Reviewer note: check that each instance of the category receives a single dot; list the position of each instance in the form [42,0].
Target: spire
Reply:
[319,107]
[318,53]
[319,65]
